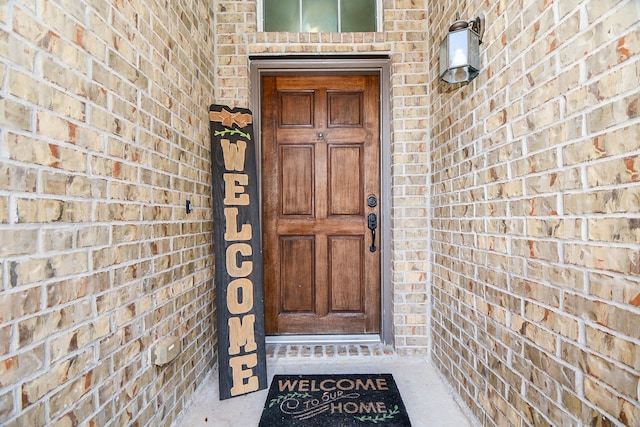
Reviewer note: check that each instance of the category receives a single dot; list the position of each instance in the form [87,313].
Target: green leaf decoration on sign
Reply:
[380,418]
[228,131]
[284,397]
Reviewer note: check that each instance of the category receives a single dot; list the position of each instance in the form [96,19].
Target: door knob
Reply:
[372,223]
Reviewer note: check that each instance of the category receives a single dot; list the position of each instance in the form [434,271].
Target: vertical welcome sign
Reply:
[238,256]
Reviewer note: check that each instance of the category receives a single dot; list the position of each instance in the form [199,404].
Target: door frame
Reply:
[348,65]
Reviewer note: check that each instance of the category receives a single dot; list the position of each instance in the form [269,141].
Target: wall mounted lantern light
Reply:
[460,51]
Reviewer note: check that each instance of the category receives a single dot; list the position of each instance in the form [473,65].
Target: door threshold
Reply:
[323,339]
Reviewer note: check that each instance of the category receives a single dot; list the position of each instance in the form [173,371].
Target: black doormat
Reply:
[334,400]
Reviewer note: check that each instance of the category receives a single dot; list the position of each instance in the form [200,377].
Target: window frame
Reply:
[260,15]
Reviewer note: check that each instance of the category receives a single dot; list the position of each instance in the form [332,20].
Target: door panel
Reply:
[345,168]
[296,177]
[296,109]
[345,109]
[320,163]
[297,273]
[344,270]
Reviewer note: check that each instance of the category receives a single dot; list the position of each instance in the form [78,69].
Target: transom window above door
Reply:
[315,16]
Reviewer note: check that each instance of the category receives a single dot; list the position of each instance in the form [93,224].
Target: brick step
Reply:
[317,351]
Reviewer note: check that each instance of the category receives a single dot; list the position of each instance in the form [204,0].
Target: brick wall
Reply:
[536,212]
[404,39]
[103,137]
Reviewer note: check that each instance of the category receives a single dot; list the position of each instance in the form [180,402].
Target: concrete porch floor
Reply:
[427,398]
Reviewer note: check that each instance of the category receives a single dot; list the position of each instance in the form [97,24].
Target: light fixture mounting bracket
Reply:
[477,25]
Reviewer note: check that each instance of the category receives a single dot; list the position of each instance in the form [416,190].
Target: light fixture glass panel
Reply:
[458,46]
[358,15]
[319,16]
[474,51]
[282,15]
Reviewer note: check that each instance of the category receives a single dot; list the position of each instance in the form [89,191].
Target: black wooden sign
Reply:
[238,253]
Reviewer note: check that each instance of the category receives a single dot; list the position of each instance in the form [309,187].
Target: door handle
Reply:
[372,223]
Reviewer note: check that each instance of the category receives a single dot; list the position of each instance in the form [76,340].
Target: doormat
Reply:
[334,400]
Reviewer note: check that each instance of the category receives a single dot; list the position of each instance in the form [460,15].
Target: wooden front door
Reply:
[321,182]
